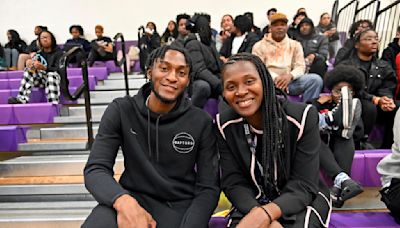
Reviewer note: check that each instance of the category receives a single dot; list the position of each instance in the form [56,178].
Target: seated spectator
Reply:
[149,41]
[269,165]
[77,40]
[302,10]
[377,100]
[206,62]
[254,28]
[41,71]
[32,48]
[285,62]
[241,40]
[102,47]
[390,54]
[170,33]
[3,65]
[340,113]
[183,33]
[13,48]
[327,28]
[270,12]
[171,176]
[357,27]
[389,168]
[293,31]
[226,29]
[315,47]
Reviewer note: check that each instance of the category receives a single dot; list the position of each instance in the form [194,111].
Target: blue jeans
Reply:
[310,85]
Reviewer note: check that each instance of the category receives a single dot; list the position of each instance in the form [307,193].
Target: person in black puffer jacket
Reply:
[377,100]
[315,47]
[205,58]
[13,48]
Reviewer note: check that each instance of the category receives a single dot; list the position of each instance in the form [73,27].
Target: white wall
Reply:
[58,15]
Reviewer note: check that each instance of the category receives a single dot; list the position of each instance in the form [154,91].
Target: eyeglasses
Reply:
[370,39]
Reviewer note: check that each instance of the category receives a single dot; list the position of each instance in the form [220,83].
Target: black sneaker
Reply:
[335,193]
[350,189]
[14,100]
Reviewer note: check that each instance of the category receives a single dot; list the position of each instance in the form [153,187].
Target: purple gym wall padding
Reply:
[35,113]
[10,136]
[7,114]
[362,220]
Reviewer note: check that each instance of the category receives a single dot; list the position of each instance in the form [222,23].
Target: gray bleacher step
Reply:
[97,101]
[53,147]
[97,110]
[75,119]
[121,76]
[65,132]
[50,165]
[133,83]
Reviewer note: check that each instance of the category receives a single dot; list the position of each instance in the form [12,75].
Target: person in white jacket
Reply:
[389,168]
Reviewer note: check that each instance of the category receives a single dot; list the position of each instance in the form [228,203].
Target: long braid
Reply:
[159,53]
[274,127]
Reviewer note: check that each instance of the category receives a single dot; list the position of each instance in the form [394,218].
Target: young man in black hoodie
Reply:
[171,166]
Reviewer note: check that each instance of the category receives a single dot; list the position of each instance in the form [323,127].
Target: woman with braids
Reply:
[269,152]
[171,167]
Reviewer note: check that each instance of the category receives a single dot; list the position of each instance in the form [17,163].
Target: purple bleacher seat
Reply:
[3,75]
[14,83]
[372,177]
[218,222]
[362,220]
[99,72]
[358,168]
[110,65]
[339,220]
[35,113]
[7,114]
[211,107]
[4,84]
[17,74]
[4,95]
[76,81]
[10,136]
[136,67]
[295,98]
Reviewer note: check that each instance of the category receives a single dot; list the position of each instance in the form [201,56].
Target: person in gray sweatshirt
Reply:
[389,168]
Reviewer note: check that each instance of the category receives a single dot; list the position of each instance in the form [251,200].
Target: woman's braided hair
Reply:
[274,126]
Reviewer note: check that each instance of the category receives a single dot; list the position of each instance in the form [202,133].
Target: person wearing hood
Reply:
[205,58]
[13,48]
[242,40]
[315,47]
[171,174]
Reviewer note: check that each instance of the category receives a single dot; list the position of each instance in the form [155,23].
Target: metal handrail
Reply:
[334,15]
[385,9]
[375,14]
[83,88]
[344,8]
[123,60]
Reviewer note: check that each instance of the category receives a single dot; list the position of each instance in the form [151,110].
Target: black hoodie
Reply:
[170,157]
[390,53]
[313,43]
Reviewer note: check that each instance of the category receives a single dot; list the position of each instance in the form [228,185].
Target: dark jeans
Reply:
[372,114]
[337,157]
[201,91]
[164,213]
[391,197]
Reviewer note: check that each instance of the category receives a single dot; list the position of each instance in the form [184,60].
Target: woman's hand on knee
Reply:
[131,214]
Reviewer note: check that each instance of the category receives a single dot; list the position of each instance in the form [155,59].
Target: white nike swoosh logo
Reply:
[133,132]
